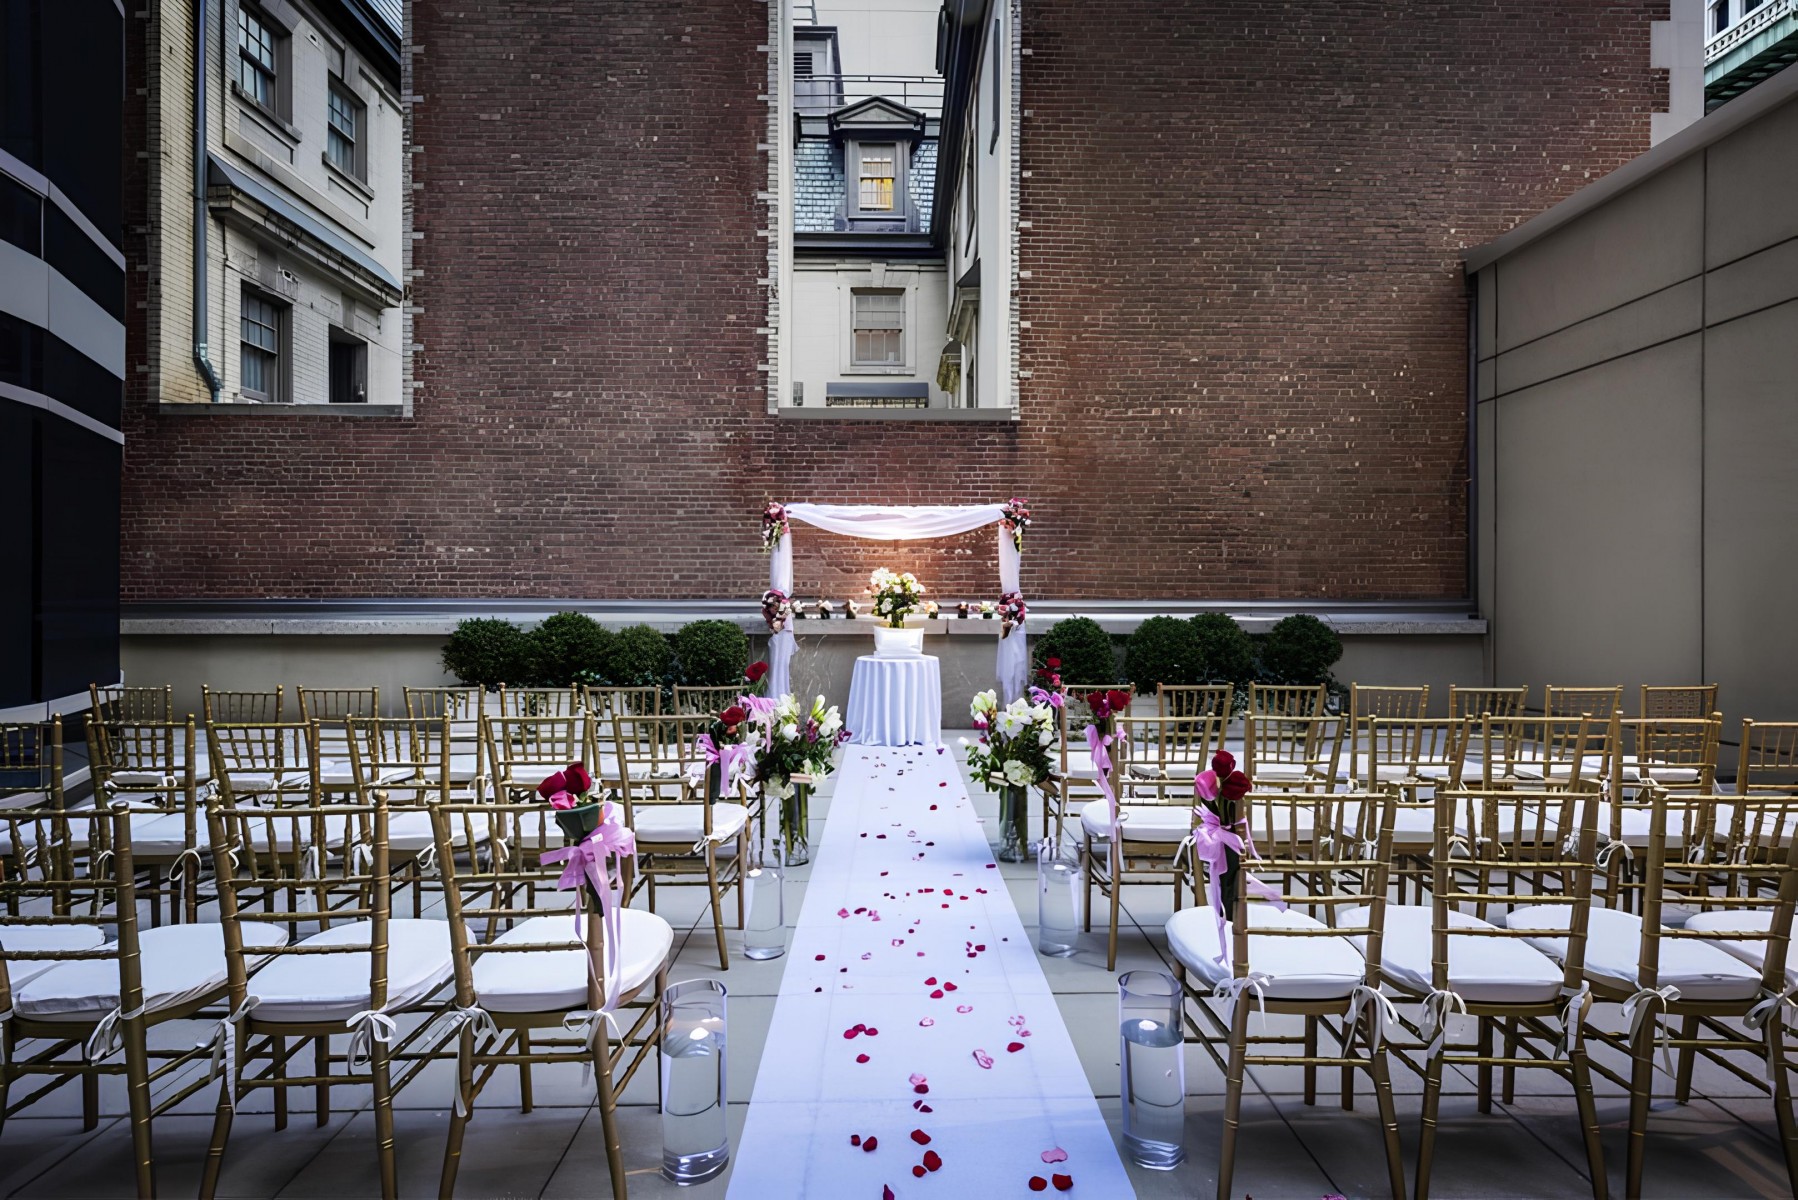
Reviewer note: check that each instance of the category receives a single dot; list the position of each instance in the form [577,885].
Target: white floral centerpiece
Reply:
[895,596]
[1013,754]
[793,740]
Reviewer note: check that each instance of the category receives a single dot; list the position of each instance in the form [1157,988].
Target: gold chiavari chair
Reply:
[1547,751]
[606,702]
[1768,758]
[65,983]
[1164,747]
[1287,700]
[118,702]
[408,761]
[31,777]
[360,970]
[1154,817]
[680,832]
[262,758]
[1195,700]
[1684,700]
[1392,703]
[1412,756]
[539,702]
[462,707]
[522,969]
[1497,855]
[225,707]
[1478,702]
[705,701]
[1603,702]
[329,711]
[1319,958]
[523,752]
[1286,752]
[1076,780]
[151,767]
[1709,947]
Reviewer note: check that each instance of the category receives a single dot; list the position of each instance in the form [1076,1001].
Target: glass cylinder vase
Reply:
[695,1136]
[794,815]
[765,924]
[1060,900]
[1014,823]
[1152,1058]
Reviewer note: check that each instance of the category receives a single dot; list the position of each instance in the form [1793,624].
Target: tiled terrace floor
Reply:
[1721,1145]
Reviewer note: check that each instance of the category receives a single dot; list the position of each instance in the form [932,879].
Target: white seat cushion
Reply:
[180,963]
[556,980]
[1362,766]
[1079,765]
[686,822]
[1301,968]
[1470,770]
[1614,948]
[1281,771]
[1413,826]
[1169,823]
[1485,970]
[409,831]
[40,938]
[334,987]
[163,835]
[1173,768]
[1729,920]
[1635,822]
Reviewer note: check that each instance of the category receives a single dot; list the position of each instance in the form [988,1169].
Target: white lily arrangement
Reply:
[1015,742]
[895,595]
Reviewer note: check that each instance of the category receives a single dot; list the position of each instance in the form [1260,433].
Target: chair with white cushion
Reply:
[1414,757]
[1143,848]
[1292,753]
[263,759]
[1671,754]
[85,996]
[1767,758]
[462,707]
[1171,747]
[524,751]
[1318,958]
[151,766]
[1552,752]
[1495,854]
[532,988]
[354,973]
[1721,970]
[140,702]
[409,760]
[683,836]
[1076,778]
[31,777]
[328,711]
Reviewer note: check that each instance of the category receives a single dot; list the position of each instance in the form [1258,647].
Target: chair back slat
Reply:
[1478,702]
[1284,700]
[1603,702]
[49,883]
[225,707]
[31,764]
[539,702]
[605,702]
[705,701]
[1170,746]
[1287,752]
[1682,701]
[263,759]
[523,751]
[1195,700]
[119,702]
[1768,758]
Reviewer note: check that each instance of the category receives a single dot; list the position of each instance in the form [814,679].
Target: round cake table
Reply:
[895,701]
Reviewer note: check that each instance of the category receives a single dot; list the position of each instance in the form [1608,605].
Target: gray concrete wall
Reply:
[1637,426]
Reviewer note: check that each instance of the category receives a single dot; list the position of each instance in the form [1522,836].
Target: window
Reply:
[349,368]
[261,342]
[1719,16]
[256,58]
[876,174]
[878,323]
[343,136]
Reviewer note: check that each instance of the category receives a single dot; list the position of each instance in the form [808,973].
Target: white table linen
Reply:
[895,702]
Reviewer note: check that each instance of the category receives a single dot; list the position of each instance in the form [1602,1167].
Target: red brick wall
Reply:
[1247,326]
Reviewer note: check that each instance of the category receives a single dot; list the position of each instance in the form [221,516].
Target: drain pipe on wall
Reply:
[202,356]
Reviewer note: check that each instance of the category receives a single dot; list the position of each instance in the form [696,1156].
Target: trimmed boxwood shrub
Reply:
[486,652]
[567,649]
[1083,648]
[639,657]
[1300,650]
[1226,653]
[1162,650]
[711,653]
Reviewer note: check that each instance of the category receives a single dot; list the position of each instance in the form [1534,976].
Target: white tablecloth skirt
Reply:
[896,702]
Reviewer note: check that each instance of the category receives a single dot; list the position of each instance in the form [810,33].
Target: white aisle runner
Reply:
[916,1045]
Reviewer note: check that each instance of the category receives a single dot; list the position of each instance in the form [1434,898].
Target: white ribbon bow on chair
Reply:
[1437,1007]
[481,1021]
[1380,1011]
[587,1025]
[1760,1017]
[224,1047]
[105,1040]
[178,869]
[366,1028]
[1254,981]
[1637,1009]
[1573,1017]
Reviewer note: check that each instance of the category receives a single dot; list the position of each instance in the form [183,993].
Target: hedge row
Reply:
[1209,648]
[572,648]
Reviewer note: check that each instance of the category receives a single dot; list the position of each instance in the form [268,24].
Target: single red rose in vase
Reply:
[755,672]
[578,781]
[555,783]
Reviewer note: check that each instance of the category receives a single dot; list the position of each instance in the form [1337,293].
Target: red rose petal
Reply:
[931,982]
[1038,1184]
[871,1031]
[920,1137]
[855,1139]
[861,1058]
[922,1107]
[1063,1182]
[932,1160]
[1014,1047]
[1055,1155]
[948,987]
[917,1172]
[937,994]
[886,1193]
[869,1142]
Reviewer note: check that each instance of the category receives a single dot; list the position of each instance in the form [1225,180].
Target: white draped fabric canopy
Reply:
[897,523]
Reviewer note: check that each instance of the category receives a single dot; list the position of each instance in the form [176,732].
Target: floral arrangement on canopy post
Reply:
[895,595]
[795,747]
[1011,612]
[1015,517]
[777,610]
[774,526]
[1014,753]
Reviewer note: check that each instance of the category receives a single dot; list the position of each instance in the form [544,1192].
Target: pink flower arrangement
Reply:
[1011,612]
[1016,519]
[774,525]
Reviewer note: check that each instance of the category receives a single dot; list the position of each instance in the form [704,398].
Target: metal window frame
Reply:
[856,328]
[275,360]
[339,95]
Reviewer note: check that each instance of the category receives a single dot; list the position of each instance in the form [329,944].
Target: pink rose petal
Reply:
[984,1059]
[927,1022]
[916,1079]
[964,1008]
[861,1058]
[1056,1155]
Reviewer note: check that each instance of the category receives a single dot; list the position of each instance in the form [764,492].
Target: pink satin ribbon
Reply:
[1210,839]
[1097,743]
[595,860]
[727,757]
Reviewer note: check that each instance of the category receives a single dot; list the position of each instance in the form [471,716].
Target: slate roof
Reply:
[818,184]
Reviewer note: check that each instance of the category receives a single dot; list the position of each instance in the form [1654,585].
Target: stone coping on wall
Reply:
[438,618]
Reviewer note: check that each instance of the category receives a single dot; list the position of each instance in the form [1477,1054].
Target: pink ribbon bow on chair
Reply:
[1210,839]
[595,861]
[729,757]
[1098,744]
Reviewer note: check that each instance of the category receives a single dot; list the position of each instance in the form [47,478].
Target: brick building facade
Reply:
[1242,354]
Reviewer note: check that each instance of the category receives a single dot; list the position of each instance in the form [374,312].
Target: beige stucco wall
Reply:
[1637,424]
[821,331]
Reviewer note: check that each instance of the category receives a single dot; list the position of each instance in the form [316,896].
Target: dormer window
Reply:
[876,172]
